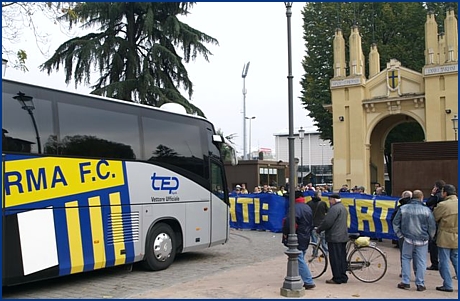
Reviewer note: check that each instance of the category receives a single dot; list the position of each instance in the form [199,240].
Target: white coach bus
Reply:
[91,182]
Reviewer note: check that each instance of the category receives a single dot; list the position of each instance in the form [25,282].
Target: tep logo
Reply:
[165,183]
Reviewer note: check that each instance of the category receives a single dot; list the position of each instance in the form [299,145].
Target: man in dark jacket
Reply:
[319,209]
[335,225]
[406,196]
[432,202]
[304,225]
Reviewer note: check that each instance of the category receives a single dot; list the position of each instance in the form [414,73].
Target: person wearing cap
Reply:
[446,215]
[304,224]
[237,190]
[335,225]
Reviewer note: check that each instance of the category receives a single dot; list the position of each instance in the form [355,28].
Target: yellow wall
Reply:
[372,107]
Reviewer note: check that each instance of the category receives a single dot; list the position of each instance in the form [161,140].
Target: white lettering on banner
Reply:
[345,82]
[441,69]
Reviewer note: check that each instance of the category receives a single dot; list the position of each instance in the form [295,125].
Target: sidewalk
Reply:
[264,280]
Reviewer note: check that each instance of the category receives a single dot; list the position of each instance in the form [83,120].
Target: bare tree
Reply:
[18,17]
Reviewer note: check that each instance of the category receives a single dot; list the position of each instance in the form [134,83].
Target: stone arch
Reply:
[377,133]
[370,129]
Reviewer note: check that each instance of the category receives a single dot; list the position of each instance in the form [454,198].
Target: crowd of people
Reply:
[280,190]
[430,226]
[420,227]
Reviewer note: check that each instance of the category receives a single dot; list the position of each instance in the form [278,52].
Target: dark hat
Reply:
[334,196]
[298,194]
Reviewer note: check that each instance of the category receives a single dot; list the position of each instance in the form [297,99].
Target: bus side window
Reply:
[217,181]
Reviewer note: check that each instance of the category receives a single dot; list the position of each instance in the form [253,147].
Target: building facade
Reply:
[313,156]
[365,110]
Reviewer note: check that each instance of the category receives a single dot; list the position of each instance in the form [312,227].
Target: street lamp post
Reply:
[309,152]
[293,284]
[455,125]
[322,162]
[243,75]
[301,136]
[250,135]
[28,105]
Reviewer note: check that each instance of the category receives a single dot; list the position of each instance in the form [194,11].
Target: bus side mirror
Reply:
[217,138]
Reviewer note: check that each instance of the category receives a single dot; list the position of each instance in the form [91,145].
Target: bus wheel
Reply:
[160,248]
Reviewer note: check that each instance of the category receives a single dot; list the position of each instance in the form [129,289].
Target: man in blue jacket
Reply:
[304,224]
[415,223]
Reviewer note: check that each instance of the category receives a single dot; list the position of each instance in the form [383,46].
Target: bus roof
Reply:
[124,102]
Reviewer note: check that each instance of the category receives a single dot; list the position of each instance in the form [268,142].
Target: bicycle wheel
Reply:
[368,264]
[316,260]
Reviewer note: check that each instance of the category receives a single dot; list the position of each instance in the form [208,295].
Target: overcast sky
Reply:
[247,32]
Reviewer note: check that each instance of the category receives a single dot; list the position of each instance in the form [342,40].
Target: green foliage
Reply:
[396,27]
[225,150]
[134,50]
[404,132]
[21,57]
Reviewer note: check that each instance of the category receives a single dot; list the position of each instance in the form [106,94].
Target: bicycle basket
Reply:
[363,241]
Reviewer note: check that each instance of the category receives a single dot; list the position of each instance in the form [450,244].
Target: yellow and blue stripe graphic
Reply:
[94,224]
[98,232]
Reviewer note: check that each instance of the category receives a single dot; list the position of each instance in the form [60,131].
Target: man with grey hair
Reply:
[446,215]
[415,223]
[406,194]
[361,189]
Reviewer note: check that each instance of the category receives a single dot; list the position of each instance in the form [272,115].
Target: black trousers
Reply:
[433,249]
[338,259]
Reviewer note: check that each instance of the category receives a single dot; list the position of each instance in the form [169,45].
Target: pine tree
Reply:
[135,49]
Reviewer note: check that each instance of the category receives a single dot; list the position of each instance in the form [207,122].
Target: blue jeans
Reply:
[418,254]
[444,256]
[304,271]
[314,238]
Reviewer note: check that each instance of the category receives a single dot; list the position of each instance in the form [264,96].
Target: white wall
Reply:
[313,153]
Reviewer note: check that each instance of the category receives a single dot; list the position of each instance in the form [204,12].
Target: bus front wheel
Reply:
[160,248]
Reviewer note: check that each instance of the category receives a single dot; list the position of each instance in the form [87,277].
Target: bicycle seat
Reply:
[353,235]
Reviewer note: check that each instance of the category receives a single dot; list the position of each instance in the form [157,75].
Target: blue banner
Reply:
[369,215]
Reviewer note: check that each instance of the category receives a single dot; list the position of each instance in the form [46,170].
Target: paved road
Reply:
[244,248]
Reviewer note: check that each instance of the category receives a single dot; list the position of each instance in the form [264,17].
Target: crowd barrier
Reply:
[368,215]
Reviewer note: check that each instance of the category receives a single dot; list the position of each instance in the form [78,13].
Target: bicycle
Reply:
[367,263]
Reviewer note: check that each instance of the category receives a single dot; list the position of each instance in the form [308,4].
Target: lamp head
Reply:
[25,101]
[245,70]
[301,133]
[455,122]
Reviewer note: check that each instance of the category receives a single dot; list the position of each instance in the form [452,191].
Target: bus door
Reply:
[219,204]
